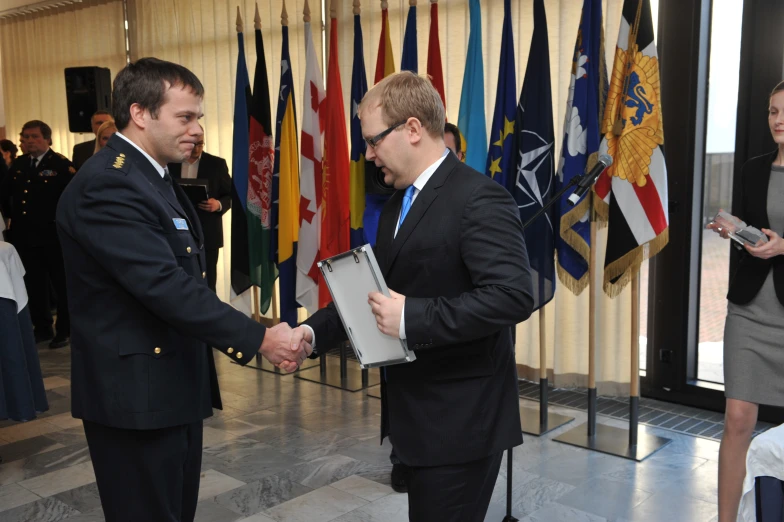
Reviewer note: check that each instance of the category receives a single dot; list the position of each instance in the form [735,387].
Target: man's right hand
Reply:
[284,348]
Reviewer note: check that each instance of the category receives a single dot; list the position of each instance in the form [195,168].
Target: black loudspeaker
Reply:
[87,90]
[374,180]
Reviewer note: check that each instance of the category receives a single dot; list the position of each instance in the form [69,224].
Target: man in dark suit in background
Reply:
[214,169]
[143,377]
[450,243]
[83,151]
[28,198]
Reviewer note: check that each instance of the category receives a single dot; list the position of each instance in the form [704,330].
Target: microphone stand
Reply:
[572,182]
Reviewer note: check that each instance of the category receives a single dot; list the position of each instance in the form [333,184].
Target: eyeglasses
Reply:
[373,142]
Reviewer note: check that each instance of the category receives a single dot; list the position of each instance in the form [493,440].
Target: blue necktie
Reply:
[407,198]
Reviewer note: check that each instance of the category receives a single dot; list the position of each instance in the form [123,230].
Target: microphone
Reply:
[587,181]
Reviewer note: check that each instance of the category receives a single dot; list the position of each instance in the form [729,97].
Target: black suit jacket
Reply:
[29,196]
[213,169]
[751,271]
[142,315]
[460,260]
[82,152]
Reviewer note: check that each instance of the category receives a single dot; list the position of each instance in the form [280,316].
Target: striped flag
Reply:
[310,200]
[471,118]
[634,189]
[285,189]
[581,140]
[261,155]
[375,199]
[240,268]
[358,89]
[434,68]
[335,224]
[409,58]
[500,161]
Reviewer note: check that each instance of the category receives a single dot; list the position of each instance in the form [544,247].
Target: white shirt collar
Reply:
[39,158]
[161,170]
[428,172]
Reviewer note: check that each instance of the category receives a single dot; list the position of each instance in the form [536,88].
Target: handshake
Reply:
[285,347]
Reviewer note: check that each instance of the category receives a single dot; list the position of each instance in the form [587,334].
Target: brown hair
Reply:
[778,88]
[407,95]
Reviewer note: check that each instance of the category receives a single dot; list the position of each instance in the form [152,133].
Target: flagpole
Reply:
[543,386]
[592,329]
[634,386]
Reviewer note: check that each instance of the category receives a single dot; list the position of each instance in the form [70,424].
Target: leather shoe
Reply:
[43,334]
[400,474]
[59,341]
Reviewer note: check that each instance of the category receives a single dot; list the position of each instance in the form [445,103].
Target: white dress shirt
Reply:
[190,170]
[161,169]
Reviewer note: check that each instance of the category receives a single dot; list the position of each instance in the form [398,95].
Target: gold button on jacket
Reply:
[239,355]
[230,351]
[157,350]
[188,250]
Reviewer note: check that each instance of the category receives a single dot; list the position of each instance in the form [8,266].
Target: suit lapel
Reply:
[419,207]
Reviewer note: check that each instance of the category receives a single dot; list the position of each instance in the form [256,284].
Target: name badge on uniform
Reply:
[180,224]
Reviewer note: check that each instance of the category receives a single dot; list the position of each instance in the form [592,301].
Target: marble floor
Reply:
[288,450]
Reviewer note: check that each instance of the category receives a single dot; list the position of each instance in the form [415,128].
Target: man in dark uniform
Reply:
[216,172]
[142,374]
[83,151]
[30,193]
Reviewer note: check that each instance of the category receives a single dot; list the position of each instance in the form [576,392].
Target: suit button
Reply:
[25,191]
[230,350]
[188,250]
[46,181]
[239,355]
[204,275]
[24,213]
[24,202]
[157,350]
[27,180]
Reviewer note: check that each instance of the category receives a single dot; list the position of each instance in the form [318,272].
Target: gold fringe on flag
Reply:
[628,265]
[577,243]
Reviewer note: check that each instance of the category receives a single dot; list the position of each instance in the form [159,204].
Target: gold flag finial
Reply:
[306,13]
[284,16]
[239,20]
[412,3]
[384,4]
[257,18]
[357,9]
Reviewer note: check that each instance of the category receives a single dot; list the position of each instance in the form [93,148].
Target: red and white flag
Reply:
[310,200]
[633,191]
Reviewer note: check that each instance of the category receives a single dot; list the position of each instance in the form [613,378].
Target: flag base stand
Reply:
[375,392]
[342,374]
[531,422]
[636,443]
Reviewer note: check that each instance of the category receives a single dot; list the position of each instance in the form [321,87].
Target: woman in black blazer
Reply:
[753,333]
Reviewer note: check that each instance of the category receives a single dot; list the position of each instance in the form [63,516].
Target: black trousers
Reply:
[147,474]
[459,493]
[212,267]
[44,264]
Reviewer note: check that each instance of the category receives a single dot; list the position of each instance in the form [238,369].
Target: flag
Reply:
[240,268]
[285,190]
[358,89]
[471,118]
[374,200]
[500,160]
[581,139]
[310,199]
[434,68]
[535,176]
[408,60]
[262,157]
[335,224]
[633,191]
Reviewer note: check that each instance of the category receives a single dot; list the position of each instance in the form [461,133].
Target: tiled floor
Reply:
[288,450]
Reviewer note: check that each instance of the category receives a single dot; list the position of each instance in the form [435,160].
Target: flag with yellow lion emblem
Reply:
[634,189]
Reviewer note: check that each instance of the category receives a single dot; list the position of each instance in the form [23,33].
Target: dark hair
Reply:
[454,131]
[778,88]
[99,113]
[46,130]
[8,146]
[145,82]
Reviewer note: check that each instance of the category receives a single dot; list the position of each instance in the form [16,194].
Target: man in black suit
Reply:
[28,197]
[83,151]
[216,172]
[143,377]
[450,243]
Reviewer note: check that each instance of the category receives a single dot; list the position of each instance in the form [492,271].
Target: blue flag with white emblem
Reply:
[535,177]
[500,154]
[584,108]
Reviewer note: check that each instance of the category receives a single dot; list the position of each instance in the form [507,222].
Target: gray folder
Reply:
[350,277]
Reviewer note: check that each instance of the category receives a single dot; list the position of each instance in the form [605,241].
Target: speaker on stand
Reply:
[87,90]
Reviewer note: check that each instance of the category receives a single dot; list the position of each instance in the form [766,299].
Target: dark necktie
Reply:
[33,162]
[169,183]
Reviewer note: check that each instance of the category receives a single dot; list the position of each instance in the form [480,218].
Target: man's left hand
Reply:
[211,205]
[388,311]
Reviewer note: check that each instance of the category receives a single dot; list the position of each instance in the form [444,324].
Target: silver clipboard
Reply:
[350,277]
